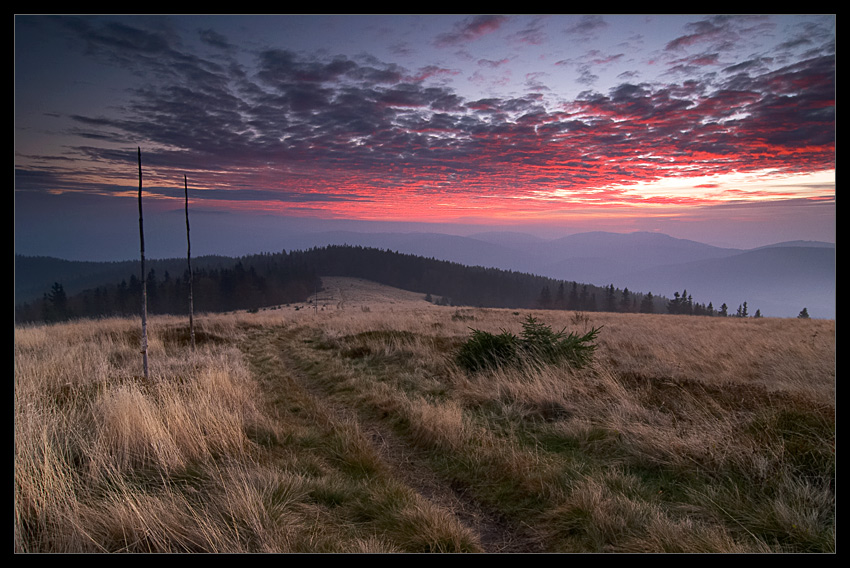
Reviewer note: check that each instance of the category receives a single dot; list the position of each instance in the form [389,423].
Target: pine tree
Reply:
[56,304]
[610,299]
[584,300]
[646,306]
[574,303]
[804,314]
[674,306]
[545,299]
[560,299]
[626,302]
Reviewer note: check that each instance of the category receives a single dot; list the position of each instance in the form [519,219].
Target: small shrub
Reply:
[538,344]
[485,350]
[460,316]
[549,347]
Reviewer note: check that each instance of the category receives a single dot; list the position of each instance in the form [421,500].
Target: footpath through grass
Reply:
[350,500]
[356,431]
[589,460]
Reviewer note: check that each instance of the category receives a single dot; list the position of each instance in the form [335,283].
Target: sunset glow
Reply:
[484,120]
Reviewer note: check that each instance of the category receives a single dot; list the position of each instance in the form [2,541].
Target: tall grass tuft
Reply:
[98,451]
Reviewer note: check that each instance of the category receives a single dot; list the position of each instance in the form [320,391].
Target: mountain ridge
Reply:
[642,261]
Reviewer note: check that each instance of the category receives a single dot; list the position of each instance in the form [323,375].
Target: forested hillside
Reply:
[272,279]
[452,283]
[250,283]
[34,275]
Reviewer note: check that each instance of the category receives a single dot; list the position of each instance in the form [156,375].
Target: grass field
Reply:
[347,426]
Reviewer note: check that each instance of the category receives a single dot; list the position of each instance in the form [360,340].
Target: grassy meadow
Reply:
[350,427]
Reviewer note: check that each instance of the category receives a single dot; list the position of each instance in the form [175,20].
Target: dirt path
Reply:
[406,463]
[494,533]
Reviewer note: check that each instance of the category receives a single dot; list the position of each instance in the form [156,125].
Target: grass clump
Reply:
[537,345]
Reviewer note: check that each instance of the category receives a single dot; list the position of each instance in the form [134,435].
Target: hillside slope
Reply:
[779,281]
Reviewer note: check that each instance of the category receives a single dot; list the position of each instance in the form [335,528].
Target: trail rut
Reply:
[405,462]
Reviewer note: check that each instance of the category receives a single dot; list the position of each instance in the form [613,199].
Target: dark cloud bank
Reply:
[300,124]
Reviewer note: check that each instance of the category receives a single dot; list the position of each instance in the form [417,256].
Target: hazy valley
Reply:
[779,280]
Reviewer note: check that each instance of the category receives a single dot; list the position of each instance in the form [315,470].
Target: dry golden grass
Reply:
[88,427]
[686,434]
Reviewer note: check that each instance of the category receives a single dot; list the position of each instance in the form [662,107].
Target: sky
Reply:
[716,128]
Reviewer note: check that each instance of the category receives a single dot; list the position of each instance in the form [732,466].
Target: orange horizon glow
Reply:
[425,202]
[338,136]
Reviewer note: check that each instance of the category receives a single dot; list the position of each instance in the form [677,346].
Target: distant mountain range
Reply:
[779,279]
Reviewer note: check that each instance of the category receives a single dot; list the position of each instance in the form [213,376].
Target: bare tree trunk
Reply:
[144,281]
[189,264]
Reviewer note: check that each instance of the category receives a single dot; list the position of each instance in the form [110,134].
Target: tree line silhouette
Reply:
[272,279]
[252,282]
[451,283]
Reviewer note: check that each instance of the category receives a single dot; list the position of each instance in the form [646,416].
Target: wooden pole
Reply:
[144,281]
[189,264]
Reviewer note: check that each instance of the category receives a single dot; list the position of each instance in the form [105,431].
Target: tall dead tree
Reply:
[189,264]
[144,281]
